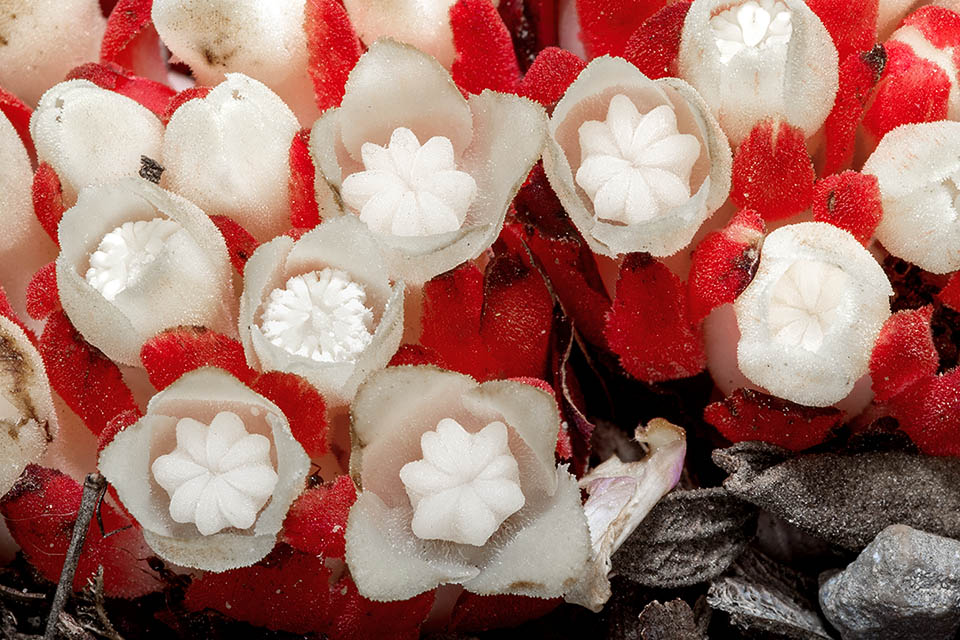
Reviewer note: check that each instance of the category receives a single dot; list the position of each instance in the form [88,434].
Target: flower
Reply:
[810,317]
[321,307]
[917,167]
[751,60]
[209,472]
[382,148]
[459,485]
[638,164]
[136,259]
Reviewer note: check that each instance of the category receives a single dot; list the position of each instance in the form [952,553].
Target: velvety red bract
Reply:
[606,25]
[131,40]
[859,74]
[317,521]
[548,77]
[47,195]
[18,113]
[904,353]
[929,412]
[724,263]
[532,25]
[301,403]
[653,48]
[42,295]
[485,58]
[415,354]
[950,294]
[751,415]
[153,95]
[88,381]
[304,212]
[772,172]
[333,49]
[939,25]
[852,23]
[851,201]
[474,613]
[181,98]
[452,308]
[240,243]
[172,353]
[648,325]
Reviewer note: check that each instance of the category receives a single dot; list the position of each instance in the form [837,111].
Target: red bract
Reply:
[852,23]
[648,325]
[772,172]
[548,77]
[532,25]
[724,263]
[452,309]
[851,201]
[929,412]
[42,296]
[301,403]
[131,40]
[184,96]
[89,382]
[415,354]
[151,94]
[750,415]
[653,48]
[333,49]
[18,113]
[939,25]
[47,194]
[170,354]
[485,57]
[859,74]
[950,294]
[479,613]
[240,243]
[40,512]
[904,353]
[317,521]
[304,212]
[606,25]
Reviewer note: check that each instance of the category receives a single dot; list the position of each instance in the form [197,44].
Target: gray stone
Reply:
[904,585]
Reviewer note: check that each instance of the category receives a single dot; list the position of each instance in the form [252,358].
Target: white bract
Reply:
[125,252]
[465,485]
[809,319]
[320,315]
[759,59]
[638,164]
[410,190]
[218,476]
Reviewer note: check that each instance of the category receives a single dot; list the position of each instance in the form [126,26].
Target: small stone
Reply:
[904,585]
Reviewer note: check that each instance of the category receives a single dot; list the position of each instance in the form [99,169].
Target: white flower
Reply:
[638,164]
[810,317]
[423,211]
[460,485]
[209,472]
[918,171]
[135,260]
[757,59]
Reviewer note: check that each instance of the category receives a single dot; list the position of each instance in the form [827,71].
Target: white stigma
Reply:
[806,302]
[408,189]
[465,486]
[635,167]
[125,252]
[320,315]
[218,476]
[753,24]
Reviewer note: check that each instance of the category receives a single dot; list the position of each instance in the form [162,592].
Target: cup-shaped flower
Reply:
[638,164]
[134,260]
[321,307]
[459,485]
[756,59]
[918,171]
[209,472]
[91,135]
[810,317]
[229,154]
[431,173]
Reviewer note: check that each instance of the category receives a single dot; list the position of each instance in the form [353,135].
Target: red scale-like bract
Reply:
[240,243]
[606,25]
[47,195]
[43,297]
[131,40]
[724,263]
[304,212]
[950,294]
[654,47]
[852,23]
[316,522]
[649,326]
[772,172]
[480,613]
[18,113]
[181,98]
[859,74]
[485,57]
[151,94]
[333,49]
[751,415]
[548,77]
[851,201]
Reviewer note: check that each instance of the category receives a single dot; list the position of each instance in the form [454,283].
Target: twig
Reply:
[93,486]
[109,631]
[22,596]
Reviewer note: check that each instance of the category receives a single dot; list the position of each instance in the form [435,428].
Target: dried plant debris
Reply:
[688,538]
[672,620]
[765,598]
[847,499]
[905,584]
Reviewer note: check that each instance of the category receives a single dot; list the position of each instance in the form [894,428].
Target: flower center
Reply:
[408,189]
[125,252]
[755,25]
[465,485]
[218,476]
[635,167]
[805,303]
[320,315]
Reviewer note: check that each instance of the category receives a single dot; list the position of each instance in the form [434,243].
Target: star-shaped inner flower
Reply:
[805,303]
[125,252]
[465,486]
[320,315]
[408,189]
[635,167]
[218,476]
[753,24]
